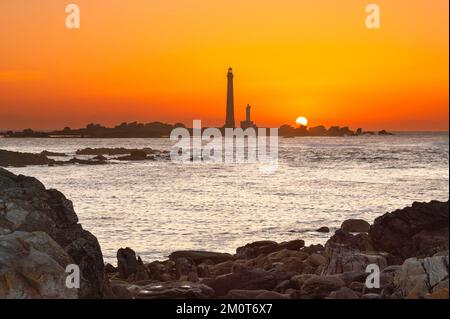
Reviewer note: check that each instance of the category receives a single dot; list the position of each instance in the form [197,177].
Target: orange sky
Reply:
[148,60]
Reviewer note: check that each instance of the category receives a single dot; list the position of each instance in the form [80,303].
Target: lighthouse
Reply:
[248,121]
[229,123]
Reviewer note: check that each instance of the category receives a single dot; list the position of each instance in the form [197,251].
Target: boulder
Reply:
[352,277]
[321,286]
[26,206]
[341,259]
[323,230]
[197,256]
[316,260]
[32,266]
[286,253]
[355,226]
[220,269]
[254,279]
[360,241]
[126,262]
[290,264]
[297,281]
[417,231]
[255,249]
[131,267]
[420,277]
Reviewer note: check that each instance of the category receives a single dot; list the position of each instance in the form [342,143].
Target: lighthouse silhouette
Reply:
[229,123]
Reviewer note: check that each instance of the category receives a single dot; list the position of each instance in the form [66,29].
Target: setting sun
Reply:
[302,121]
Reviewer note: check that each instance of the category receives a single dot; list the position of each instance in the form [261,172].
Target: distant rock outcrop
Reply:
[18,159]
[42,229]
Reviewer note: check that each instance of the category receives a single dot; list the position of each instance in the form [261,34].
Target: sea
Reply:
[157,207]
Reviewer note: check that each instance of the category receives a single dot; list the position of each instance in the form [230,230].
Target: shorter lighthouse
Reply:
[248,122]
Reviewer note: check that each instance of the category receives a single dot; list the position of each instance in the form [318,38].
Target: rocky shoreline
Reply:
[95,156]
[40,235]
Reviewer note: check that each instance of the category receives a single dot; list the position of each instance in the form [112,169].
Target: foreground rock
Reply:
[289,270]
[40,236]
[33,265]
[28,210]
[421,278]
[417,231]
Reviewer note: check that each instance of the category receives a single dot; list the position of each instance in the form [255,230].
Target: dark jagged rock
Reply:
[126,262]
[131,267]
[417,231]
[26,206]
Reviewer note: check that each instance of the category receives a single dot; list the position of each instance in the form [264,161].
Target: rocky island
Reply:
[40,235]
[159,130]
[94,156]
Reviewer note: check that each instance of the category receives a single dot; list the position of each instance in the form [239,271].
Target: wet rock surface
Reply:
[27,207]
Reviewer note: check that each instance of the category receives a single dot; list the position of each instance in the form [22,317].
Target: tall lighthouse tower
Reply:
[229,123]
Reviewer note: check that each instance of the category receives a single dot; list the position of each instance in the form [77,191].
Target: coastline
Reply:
[410,246]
